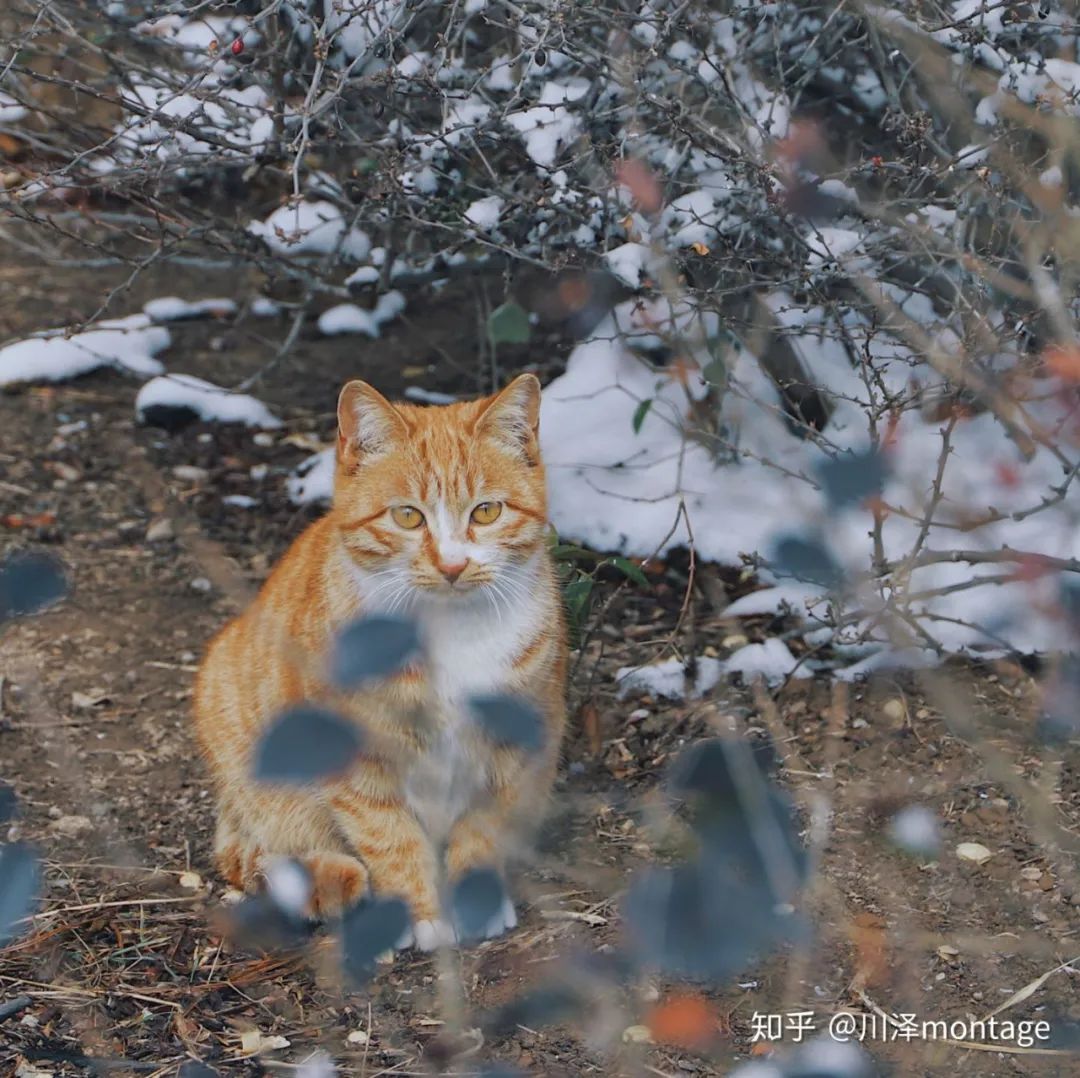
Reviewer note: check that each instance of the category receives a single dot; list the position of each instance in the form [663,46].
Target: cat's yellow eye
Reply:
[486,512]
[407,516]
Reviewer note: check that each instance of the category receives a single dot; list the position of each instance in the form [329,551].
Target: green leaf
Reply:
[576,594]
[715,373]
[509,324]
[640,412]
[628,568]
[572,552]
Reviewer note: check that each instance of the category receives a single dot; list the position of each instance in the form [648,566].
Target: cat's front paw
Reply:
[338,882]
[501,921]
[426,935]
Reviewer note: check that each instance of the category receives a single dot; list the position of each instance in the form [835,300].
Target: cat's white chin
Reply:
[450,594]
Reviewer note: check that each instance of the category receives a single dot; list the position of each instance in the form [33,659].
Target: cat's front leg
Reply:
[399,857]
[486,835]
[476,842]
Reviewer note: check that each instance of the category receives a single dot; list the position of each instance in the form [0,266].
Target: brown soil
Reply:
[127,964]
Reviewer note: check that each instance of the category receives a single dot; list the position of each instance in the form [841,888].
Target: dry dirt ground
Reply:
[126,966]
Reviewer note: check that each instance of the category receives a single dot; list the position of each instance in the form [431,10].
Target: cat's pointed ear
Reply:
[367,423]
[513,416]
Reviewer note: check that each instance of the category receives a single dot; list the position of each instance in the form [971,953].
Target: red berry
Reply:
[1008,475]
[238,46]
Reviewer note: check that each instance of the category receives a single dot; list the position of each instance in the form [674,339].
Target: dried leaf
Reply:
[973,851]
[253,1041]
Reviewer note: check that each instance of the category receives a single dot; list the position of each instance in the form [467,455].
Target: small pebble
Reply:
[200,583]
[160,531]
[189,473]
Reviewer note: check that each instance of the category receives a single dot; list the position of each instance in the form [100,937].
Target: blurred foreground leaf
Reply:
[20,884]
[477,897]
[9,804]
[851,478]
[509,720]
[30,582]
[808,560]
[372,648]
[370,929]
[307,743]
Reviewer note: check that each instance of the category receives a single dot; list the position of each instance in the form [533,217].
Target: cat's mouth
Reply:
[458,589]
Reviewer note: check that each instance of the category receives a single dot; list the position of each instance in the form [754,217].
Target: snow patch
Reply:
[630,262]
[126,344]
[209,402]
[313,479]
[546,131]
[11,111]
[307,228]
[484,212]
[668,678]
[174,309]
[349,318]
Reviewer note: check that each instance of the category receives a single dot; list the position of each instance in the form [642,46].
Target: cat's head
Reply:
[440,502]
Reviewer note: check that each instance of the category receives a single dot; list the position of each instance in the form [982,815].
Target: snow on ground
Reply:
[615,489]
[10,110]
[311,228]
[771,660]
[209,402]
[668,678]
[127,344]
[313,479]
[419,395]
[265,307]
[349,318]
[174,309]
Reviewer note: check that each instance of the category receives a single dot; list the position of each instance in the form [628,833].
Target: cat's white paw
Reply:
[502,921]
[427,935]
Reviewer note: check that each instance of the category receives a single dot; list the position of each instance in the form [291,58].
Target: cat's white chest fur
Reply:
[469,650]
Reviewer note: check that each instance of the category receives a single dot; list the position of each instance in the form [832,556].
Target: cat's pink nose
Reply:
[453,570]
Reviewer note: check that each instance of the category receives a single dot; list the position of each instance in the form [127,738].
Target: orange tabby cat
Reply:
[438,514]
